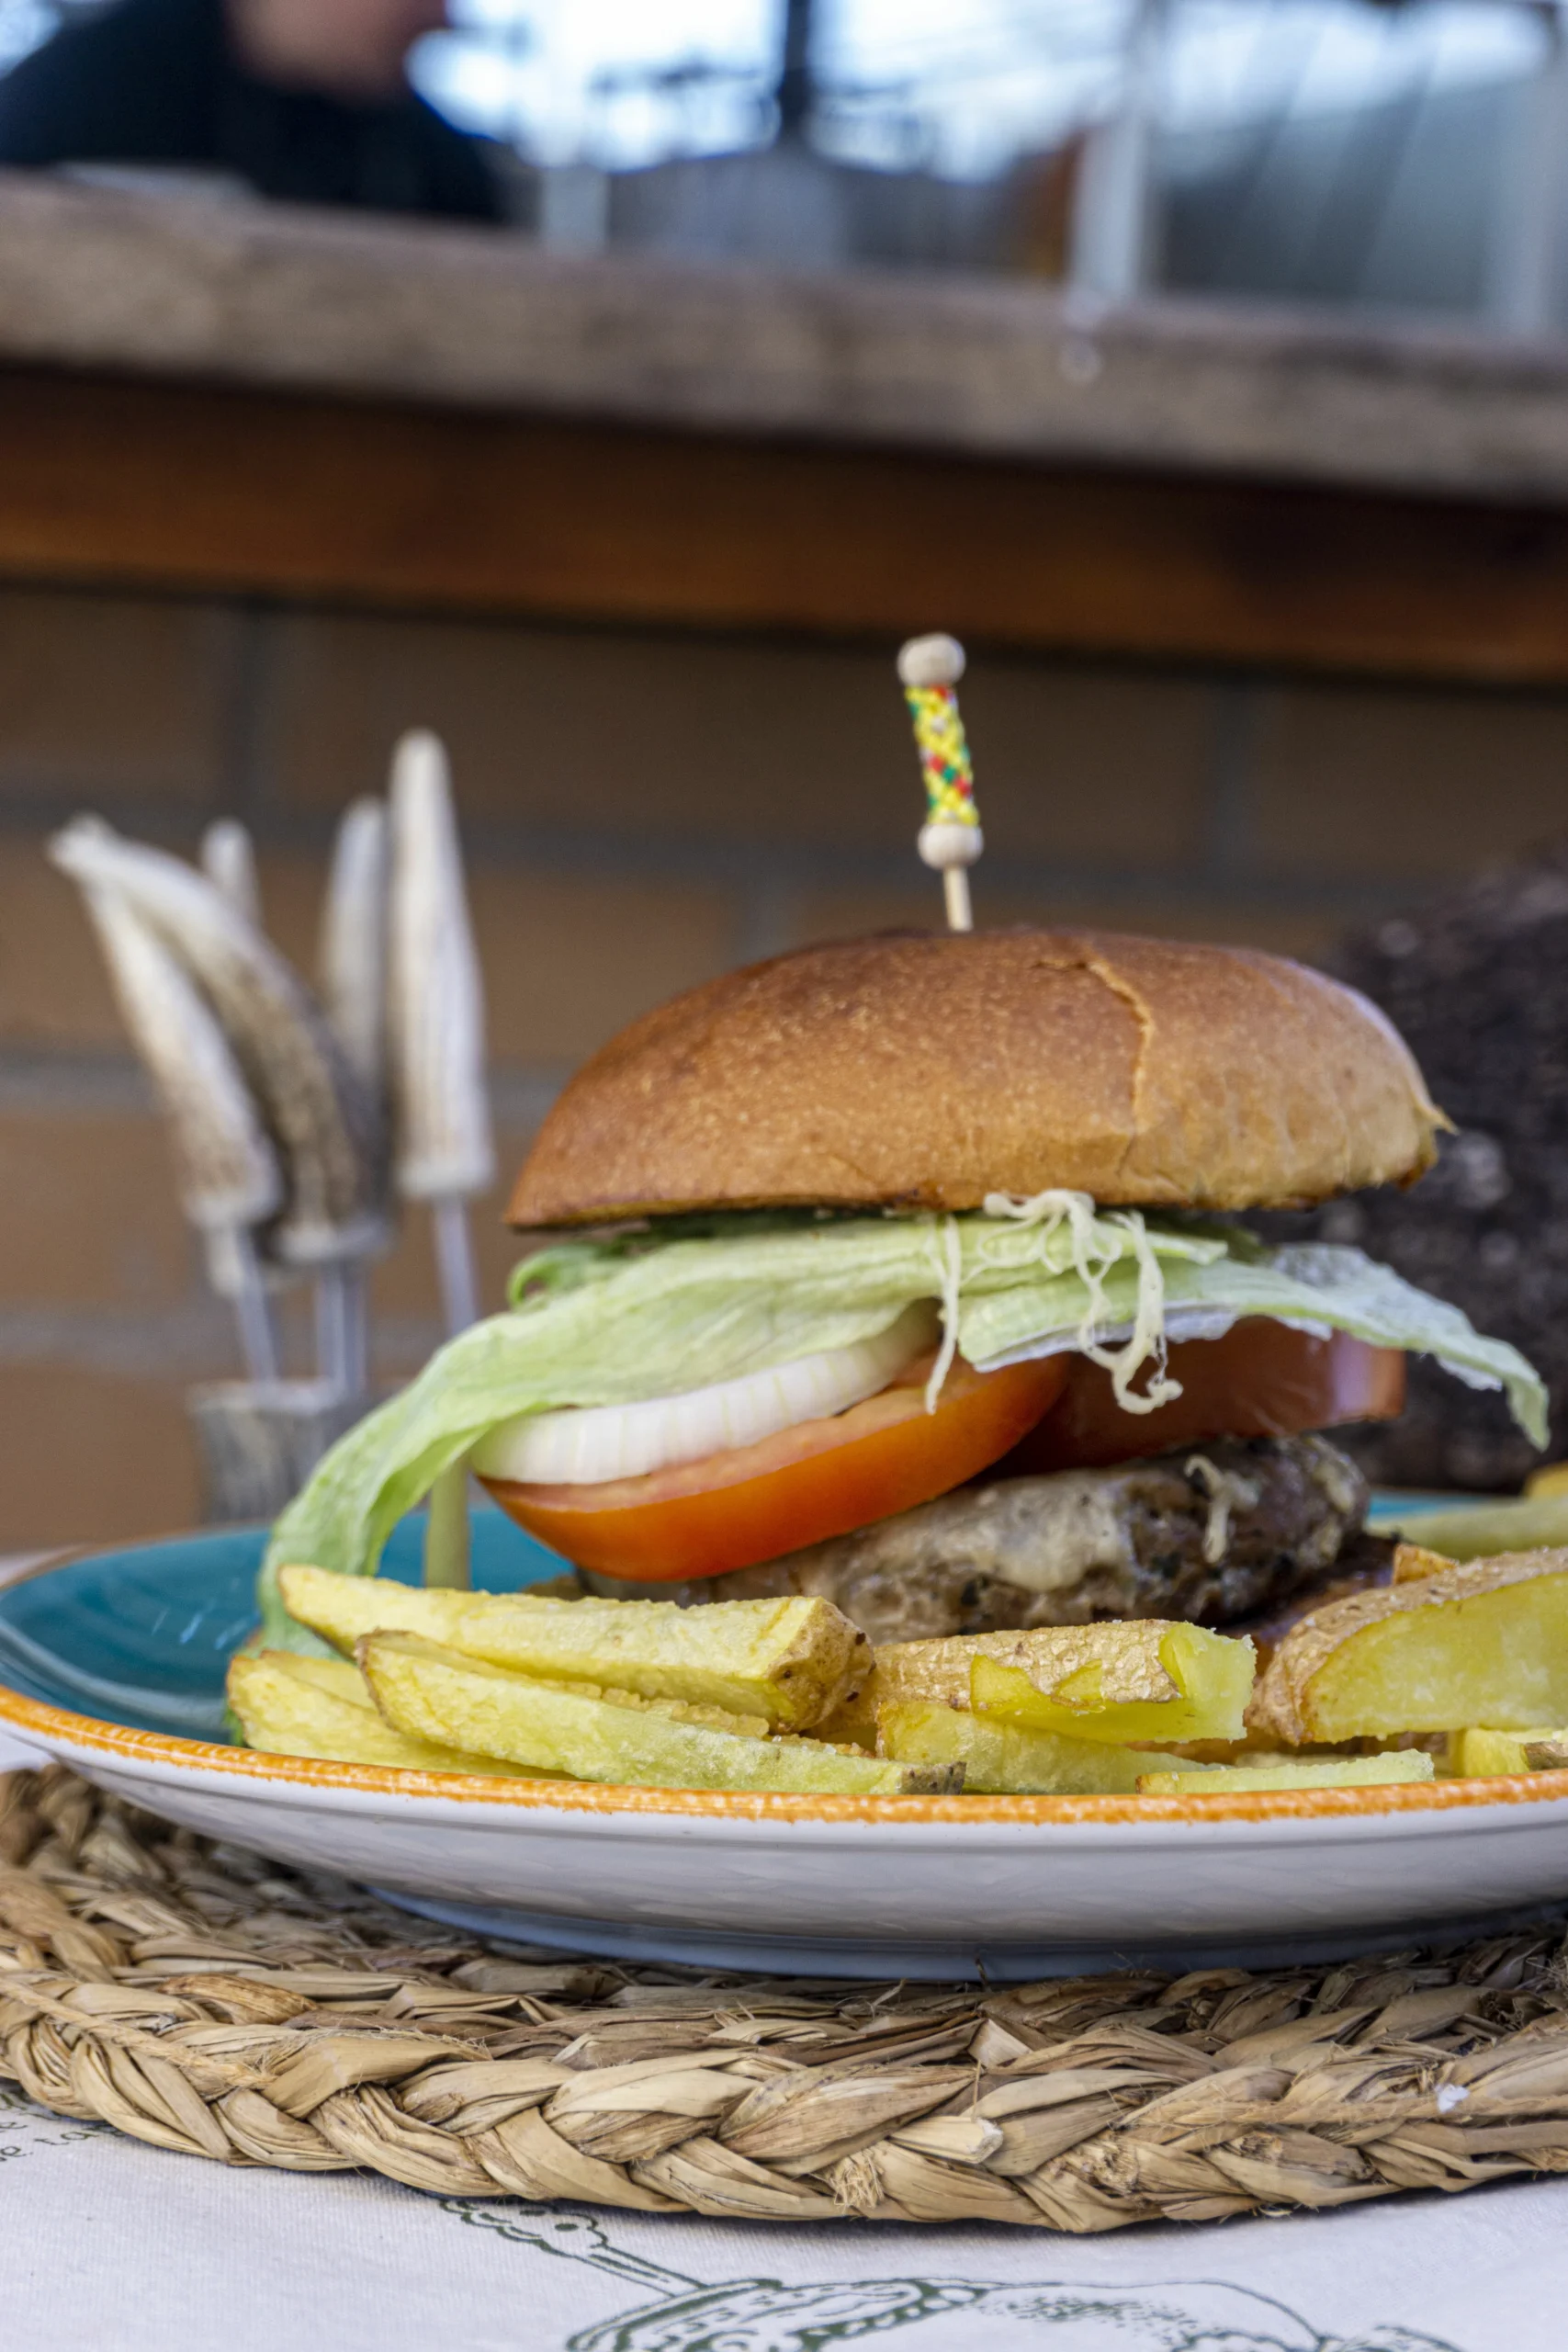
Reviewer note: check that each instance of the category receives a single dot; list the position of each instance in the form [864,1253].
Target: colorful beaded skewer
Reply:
[950,839]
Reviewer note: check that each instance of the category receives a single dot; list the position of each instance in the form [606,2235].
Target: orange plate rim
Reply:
[118,1743]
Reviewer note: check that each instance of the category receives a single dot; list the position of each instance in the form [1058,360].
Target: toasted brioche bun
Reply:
[918,1070]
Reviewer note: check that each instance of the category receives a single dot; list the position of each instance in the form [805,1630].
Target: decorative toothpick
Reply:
[950,839]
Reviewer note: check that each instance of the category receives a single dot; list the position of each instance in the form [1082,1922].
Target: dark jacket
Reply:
[158,82]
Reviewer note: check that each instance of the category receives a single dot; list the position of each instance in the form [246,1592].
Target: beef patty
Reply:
[1209,1535]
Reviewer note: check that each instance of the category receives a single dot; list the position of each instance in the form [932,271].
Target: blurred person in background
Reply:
[304,100]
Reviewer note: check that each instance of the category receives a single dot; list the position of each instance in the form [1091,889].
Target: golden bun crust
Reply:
[924,1070]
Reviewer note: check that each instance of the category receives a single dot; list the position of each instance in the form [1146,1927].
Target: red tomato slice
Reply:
[821,1479]
[1261,1380]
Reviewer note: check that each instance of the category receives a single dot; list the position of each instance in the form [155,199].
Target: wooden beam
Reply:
[137,482]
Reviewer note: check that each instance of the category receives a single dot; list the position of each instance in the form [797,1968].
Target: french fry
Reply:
[852,1725]
[1159,1682]
[319,1706]
[1485,1644]
[1414,1561]
[1289,1772]
[430,1692]
[1003,1760]
[337,1676]
[1482,1754]
[790,1661]
[1112,1683]
[1485,1531]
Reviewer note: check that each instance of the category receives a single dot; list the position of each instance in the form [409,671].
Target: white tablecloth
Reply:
[107,2246]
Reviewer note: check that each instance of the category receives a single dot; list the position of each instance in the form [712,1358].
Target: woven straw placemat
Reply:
[211,2001]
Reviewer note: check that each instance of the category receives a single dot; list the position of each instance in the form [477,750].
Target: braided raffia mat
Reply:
[212,2002]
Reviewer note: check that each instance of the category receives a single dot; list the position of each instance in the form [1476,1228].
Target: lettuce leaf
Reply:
[1313,1286]
[654,1315]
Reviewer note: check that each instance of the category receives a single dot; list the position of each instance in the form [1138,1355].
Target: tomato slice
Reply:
[1260,1380]
[821,1479]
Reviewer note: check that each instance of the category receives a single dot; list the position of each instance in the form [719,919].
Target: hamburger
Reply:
[913,1270]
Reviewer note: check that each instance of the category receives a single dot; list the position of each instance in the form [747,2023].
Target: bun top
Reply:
[924,1070]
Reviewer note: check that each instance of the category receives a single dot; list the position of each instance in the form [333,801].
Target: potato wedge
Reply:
[319,1706]
[1113,1682]
[429,1692]
[1161,1682]
[1002,1760]
[1481,1753]
[790,1661]
[1484,1644]
[1291,1772]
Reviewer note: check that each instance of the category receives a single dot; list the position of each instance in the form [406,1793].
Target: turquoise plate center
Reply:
[142,1636]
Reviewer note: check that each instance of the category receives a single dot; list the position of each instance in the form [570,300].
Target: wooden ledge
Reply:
[265,295]
[126,482]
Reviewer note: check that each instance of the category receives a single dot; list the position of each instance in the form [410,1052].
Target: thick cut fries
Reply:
[1002,1760]
[617,1736]
[1414,1561]
[1172,1682]
[1290,1772]
[789,1661]
[1480,1753]
[1136,1680]
[319,1706]
[1487,1644]
[1484,1530]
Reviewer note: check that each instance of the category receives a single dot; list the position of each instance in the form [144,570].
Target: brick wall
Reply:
[640,810]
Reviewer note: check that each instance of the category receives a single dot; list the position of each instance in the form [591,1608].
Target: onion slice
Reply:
[589,1446]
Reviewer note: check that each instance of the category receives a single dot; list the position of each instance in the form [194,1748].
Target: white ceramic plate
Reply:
[113,1662]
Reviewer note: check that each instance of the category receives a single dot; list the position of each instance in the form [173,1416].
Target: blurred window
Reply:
[1409,154]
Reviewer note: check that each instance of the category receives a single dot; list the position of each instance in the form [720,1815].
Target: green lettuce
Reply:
[653,1315]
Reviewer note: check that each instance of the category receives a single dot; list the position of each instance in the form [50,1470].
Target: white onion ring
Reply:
[589,1446]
